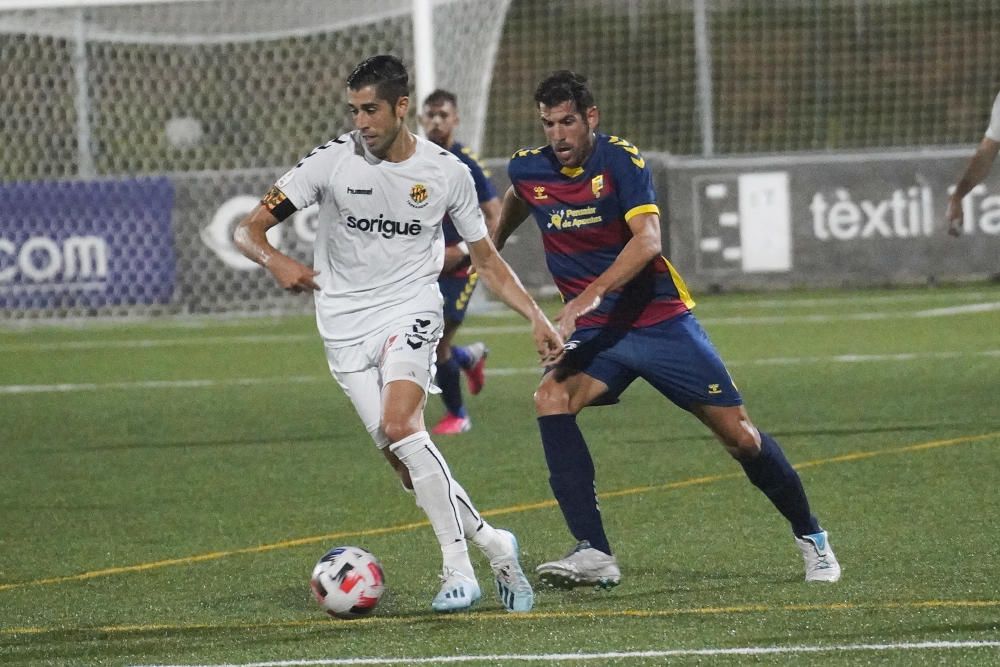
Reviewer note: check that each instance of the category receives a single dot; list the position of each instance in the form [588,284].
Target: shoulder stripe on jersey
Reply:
[525,152]
[629,148]
[317,149]
[639,210]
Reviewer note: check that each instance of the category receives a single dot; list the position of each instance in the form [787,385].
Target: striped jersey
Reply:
[484,192]
[582,213]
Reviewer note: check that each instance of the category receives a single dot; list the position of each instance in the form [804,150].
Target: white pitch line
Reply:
[619,655]
[312,338]
[194,341]
[67,387]
[960,310]
[155,384]
[143,343]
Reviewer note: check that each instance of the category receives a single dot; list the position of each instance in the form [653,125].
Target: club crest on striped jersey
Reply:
[596,185]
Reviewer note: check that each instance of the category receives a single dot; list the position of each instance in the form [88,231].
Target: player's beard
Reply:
[578,154]
[381,149]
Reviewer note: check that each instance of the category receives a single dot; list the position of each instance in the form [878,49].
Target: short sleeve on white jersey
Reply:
[303,183]
[993,131]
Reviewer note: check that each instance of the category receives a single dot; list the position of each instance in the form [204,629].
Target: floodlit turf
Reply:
[166,488]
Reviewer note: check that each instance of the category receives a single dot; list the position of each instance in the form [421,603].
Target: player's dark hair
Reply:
[565,86]
[440,96]
[388,75]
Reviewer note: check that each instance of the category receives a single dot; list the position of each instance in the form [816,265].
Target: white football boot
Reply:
[512,586]
[583,566]
[821,564]
[458,592]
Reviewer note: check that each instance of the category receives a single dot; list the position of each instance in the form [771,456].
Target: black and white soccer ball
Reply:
[348,582]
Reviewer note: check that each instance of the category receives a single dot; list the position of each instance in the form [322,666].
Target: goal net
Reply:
[133,135]
[759,75]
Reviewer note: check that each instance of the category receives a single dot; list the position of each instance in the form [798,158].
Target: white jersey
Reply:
[379,245]
[993,131]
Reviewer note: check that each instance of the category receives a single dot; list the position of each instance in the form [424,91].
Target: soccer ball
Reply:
[348,582]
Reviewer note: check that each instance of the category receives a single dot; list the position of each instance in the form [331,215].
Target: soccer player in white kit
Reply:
[979,167]
[382,194]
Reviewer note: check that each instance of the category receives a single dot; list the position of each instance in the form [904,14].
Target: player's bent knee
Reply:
[551,399]
[400,430]
[742,450]
[743,444]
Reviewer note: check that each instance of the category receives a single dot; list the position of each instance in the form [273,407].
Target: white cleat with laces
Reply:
[821,564]
[513,587]
[583,566]
[458,592]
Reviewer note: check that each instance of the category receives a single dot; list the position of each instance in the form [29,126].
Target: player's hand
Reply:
[548,342]
[574,310]
[291,274]
[954,216]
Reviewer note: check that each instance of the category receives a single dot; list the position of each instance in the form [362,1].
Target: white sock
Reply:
[456,557]
[477,530]
[435,492]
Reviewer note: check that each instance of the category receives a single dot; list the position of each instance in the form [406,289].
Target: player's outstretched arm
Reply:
[502,281]
[513,211]
[644,246]
[250,237]
[979,167]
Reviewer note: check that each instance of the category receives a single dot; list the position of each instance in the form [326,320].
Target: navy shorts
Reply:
[675,357]
[456,290]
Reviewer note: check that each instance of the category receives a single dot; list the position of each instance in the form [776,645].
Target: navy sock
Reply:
[571,476]
[461,355]
[450,381]
[774,475]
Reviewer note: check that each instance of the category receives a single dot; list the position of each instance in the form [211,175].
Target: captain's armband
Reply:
[275,201]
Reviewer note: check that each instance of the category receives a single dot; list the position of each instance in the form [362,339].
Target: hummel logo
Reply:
[358,191]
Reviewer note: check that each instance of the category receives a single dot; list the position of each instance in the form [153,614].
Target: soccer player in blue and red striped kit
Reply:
[626,315]
[457,282]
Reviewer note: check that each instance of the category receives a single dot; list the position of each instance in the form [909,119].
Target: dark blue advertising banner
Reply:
[89,244]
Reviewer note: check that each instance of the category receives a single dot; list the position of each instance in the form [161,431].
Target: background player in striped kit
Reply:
[457,282]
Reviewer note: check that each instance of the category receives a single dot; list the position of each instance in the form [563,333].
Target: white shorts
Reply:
[404,350]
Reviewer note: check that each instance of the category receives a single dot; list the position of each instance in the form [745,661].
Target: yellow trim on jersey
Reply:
[572,172]
[524,152]
[639,210]
[682,288]
[472,155]
[629,148]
